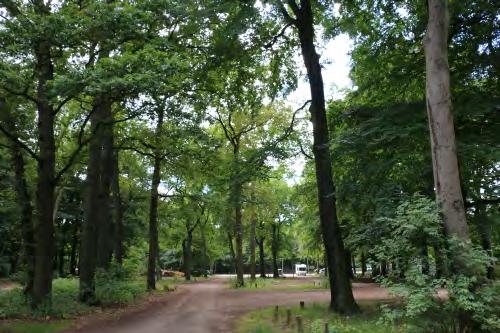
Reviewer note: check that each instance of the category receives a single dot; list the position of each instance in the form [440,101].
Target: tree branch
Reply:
[21,144]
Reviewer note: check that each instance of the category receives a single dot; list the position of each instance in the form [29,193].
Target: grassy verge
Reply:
[34,327]
[65,307]
[287,284]
[314,318]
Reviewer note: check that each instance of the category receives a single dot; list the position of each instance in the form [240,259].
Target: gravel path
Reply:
[210,306]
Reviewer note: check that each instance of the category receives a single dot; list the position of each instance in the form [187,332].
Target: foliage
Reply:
[433,302]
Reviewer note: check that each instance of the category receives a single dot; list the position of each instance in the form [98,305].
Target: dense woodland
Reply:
[137,136]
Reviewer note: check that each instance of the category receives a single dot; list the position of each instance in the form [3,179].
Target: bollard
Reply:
[276,313]
[302,304]
[288,317]
[300,327]
[327,330]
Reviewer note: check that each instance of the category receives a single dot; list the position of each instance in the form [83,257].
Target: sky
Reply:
[335,58]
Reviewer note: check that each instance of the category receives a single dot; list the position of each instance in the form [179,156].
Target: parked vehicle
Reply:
[300,269]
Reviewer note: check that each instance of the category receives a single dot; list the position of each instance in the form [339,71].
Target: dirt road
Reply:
[210,306]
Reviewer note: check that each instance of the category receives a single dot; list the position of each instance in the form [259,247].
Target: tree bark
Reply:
[105,227]
[188,255]
[44,227]
[95,210]
[342,299]
[74,248]
[153,206]
[363,263]
[231,249]
[253,224]
[235,201]
[442,132]
[274,249]
[262,263]
[118,211]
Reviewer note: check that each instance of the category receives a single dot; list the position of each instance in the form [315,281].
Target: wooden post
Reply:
[276,313]
[327,330]
[288,316]
[300,326]
[302,304]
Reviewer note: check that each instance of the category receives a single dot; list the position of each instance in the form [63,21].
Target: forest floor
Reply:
[210,306]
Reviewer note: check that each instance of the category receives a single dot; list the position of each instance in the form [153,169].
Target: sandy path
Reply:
[211,306]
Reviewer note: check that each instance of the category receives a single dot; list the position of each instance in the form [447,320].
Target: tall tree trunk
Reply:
[235,200]
[94,214]
[363,263]
[205,258]
[342,299]
[231,249]
[188,255]
[74,248]
[275,248]
[104,233]
[442,132]
[153,206]
[262,263]
[45,188]
[118,211]
[153,224]
[253,224]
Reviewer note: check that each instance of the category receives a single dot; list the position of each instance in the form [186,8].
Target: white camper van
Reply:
[300,269]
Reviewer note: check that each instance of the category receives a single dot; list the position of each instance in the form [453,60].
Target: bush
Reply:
[117,286]
[471,302]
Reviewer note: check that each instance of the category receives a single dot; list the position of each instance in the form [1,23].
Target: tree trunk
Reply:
[44,227]
[153,224]
[363,263]
[96,204]
[484,230]
[353,266]
[118,211]
[205,258]
[262,263]
[342,299]
[188,255]
[442,132]
[105,234]
[60,257]
[235,200]
[348,264]
[253,224]
[231,249]
[74,248]
[153,206]
[275,249]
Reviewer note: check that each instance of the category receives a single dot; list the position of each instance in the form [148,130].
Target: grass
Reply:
[34,327]
[283,284]
[65,304]
[314,318]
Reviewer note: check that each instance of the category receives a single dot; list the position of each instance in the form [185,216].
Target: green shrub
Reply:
[472,300]
[117,287]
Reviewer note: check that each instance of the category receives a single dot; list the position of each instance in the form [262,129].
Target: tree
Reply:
[442,132]
[302,18]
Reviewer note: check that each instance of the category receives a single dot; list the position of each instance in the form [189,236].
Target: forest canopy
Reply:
[138,137]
